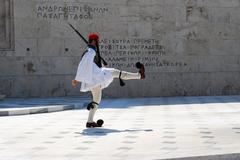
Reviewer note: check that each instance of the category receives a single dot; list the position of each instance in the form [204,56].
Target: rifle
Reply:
[98,57]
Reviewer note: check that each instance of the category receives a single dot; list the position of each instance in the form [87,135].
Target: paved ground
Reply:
[144,129]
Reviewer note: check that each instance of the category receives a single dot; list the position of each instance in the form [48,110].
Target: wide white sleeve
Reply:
[85,67]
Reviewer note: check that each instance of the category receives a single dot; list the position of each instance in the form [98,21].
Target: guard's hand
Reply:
[74,83]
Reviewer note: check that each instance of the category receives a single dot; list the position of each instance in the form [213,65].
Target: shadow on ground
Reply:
[106,131]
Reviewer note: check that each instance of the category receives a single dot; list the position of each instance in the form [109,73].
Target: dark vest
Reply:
[97,58]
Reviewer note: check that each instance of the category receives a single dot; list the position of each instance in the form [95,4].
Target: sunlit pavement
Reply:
[134,129]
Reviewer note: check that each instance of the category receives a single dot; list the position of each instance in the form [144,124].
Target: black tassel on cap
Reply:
[104,62]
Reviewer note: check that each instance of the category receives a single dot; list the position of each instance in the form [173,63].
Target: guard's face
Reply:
[94,43]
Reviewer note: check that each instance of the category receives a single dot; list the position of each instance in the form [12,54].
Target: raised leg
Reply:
[125,75]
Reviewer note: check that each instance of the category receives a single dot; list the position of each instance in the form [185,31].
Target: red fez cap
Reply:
[93,36]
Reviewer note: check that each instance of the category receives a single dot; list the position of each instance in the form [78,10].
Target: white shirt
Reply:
[90,75]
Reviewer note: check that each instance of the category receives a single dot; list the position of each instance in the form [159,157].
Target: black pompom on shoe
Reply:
[100,122]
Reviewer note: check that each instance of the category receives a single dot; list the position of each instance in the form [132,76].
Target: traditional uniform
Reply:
[94,77]
[90,74]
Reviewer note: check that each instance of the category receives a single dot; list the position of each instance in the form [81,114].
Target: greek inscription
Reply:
[69,12]
[126,52]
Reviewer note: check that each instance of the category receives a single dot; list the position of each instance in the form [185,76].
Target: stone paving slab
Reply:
[211,157]
[20,106]
[146,129]
[32,102]
[35,110]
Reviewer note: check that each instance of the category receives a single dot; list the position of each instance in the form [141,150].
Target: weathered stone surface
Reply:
[6,25]
[189,47]
[41,86]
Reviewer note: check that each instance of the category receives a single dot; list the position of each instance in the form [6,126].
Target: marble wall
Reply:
[189,47]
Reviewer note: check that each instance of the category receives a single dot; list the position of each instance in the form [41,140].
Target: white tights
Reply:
[125,75]
[96,96]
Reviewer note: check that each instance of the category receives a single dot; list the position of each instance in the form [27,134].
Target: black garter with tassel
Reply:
[120,80]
